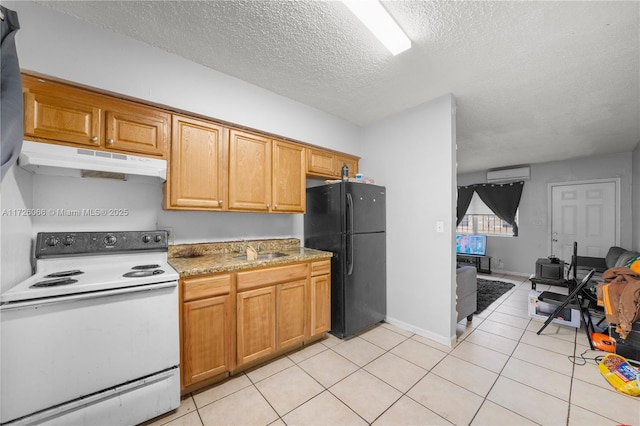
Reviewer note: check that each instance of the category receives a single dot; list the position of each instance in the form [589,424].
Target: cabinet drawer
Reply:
[208,286]
[321,268]
[268,276]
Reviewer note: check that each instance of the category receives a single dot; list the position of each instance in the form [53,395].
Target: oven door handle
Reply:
[86,296]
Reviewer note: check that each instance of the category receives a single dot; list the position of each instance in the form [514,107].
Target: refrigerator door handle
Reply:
[350,234]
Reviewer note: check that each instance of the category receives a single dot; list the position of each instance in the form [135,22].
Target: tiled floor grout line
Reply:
[511,356]
[572,377]
[412,386]
[499,374]
[327,388]
[573,370]
[465,334]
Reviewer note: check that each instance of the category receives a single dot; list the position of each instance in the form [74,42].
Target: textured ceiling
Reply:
[534,81]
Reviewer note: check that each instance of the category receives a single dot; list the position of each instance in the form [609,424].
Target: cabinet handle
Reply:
[268,205]
[220,202]
[94,138]
[110,141]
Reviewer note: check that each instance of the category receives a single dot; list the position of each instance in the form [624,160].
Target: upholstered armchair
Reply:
[466,292]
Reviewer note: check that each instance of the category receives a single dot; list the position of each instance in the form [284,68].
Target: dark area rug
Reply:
[489,291]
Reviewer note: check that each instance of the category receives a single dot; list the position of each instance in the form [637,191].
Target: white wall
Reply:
[635,185]
[15,227]
[413,155]
[519,254]
[60,46]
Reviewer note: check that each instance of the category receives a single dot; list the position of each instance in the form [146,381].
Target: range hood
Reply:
[58,160]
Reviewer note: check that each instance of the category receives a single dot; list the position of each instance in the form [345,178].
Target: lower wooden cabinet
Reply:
[271,310]
[320,304]
[320,298]
[206,349]
[206,328]
[291,313]
[256,316]
[232,321]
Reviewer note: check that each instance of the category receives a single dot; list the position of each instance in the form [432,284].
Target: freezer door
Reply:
[365,208]
[365,288]
[324,212]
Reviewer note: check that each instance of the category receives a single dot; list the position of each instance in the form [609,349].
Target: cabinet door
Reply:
[321,163]
[198,166]
[206,339]
[289,178]
[256,319]
[291,313]
[62,117]
[320,304]
[138,130]
[352,163]
[249,172]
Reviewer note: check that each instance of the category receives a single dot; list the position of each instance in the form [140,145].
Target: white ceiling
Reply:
[534,81]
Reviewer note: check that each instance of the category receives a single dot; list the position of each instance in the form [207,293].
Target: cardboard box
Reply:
[541,311]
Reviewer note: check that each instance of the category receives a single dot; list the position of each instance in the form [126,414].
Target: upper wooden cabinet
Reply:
[328,165]
[289,180]
[351,162]
[198,166]
[249,171]
[60,113]
[265,174]
[137,129]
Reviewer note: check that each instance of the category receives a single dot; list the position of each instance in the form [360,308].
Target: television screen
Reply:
[471,244]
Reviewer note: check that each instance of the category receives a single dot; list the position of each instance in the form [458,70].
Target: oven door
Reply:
[57,350]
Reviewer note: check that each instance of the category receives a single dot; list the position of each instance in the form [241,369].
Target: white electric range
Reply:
[92,337]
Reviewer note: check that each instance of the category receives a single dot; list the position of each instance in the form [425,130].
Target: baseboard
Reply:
[422,332]
[505,272]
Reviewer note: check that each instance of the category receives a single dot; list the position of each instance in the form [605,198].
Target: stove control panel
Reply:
[53,244]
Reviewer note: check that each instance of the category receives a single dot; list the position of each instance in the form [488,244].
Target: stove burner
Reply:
[147,273]
[69,273]
[54,283]
[153,266]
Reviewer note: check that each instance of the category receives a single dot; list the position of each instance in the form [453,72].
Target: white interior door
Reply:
[585,212]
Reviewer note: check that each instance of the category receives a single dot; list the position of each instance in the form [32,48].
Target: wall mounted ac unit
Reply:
[508,175]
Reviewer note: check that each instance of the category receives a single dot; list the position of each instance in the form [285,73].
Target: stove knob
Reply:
[158,238]
[52,241]
[68,240]
[110,240]
[146,239]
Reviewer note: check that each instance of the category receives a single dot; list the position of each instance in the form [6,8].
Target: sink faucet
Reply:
[243,246]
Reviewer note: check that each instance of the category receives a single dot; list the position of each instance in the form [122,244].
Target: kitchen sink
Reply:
[263,256]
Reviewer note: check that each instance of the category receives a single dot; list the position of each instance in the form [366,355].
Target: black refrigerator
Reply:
[349,219]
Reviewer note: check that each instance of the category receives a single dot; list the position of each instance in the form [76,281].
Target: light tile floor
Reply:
[500,372]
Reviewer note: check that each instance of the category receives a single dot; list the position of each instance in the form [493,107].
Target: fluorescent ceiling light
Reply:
[380,23]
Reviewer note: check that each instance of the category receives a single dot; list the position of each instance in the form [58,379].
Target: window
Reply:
[479,219]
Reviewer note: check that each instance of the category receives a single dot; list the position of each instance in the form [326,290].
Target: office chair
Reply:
[574,300]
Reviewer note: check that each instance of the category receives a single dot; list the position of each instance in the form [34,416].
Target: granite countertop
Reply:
[211,258]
